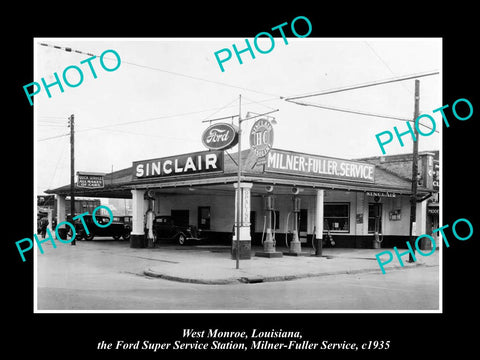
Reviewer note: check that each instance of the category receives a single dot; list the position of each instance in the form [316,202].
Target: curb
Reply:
[253,279]
[154,274]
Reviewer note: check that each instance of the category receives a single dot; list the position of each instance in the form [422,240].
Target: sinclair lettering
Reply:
[318,166]
[195,163]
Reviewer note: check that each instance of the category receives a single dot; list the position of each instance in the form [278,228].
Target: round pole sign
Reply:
[220,136]
[261,137]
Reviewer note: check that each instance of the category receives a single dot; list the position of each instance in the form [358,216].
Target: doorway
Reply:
[375,218]
[204,217]
[303,225]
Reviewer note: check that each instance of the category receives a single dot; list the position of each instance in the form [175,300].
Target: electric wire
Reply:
[357,112]
[69,49]
[220,109]
[144,120]
[288,99]
[385,63]
[363,85]
[62,155]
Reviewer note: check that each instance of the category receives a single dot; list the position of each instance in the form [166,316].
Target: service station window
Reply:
[204,217]
[337,217]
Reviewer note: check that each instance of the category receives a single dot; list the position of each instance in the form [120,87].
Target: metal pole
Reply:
[72,171]
[239,193]
[413,199]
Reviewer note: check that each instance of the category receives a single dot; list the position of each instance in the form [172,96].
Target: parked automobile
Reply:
[118,228]
[165,229]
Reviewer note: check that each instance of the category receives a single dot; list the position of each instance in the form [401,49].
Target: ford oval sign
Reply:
[220,136]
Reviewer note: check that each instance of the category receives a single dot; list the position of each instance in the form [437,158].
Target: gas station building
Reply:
[363,203]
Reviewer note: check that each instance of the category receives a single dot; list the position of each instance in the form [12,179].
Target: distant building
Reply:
[48,202]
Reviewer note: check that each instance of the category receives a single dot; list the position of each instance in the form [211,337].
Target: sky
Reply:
[156,102]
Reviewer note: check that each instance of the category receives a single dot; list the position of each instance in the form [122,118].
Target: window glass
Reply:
[204,217]
[337,217]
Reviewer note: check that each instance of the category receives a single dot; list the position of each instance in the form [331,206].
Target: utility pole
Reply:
[71,123]
[413,198]
[239,191]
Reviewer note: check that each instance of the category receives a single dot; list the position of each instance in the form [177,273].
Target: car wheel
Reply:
[89,236]
[181,239]
[126,236]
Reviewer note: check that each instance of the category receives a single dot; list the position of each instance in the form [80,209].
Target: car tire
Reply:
[126,237]
[89,236]
[181,239]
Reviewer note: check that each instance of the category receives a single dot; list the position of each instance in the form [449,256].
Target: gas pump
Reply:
[269,206]
[295,246]
[378,236]
[268,230]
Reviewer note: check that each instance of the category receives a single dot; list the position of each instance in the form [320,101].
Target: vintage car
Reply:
[118,228]
[165,229]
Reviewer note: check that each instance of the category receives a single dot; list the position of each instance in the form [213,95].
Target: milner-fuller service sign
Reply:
[186,164]
[280,161]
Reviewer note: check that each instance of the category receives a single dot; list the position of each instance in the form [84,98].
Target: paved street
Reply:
[108,275]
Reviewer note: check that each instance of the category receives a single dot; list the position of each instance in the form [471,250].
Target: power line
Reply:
[52,117]
[364,85]
[51,125]
[53,137]
[357,112]
[220,109]
[60,157]
[69,49]
[152,119]
[289,99]
[149,135]
[384,63]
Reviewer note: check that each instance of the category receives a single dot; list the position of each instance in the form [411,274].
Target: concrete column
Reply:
[245,239]
[319,222]
[360,212]
[60,208]
[139,208]
[60,211]
[421,220]
[50,219]
[295,246]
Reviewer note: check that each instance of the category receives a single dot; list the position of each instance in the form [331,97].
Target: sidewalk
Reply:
[213,264]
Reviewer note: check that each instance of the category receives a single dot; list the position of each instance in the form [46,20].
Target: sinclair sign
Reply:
[179,165]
